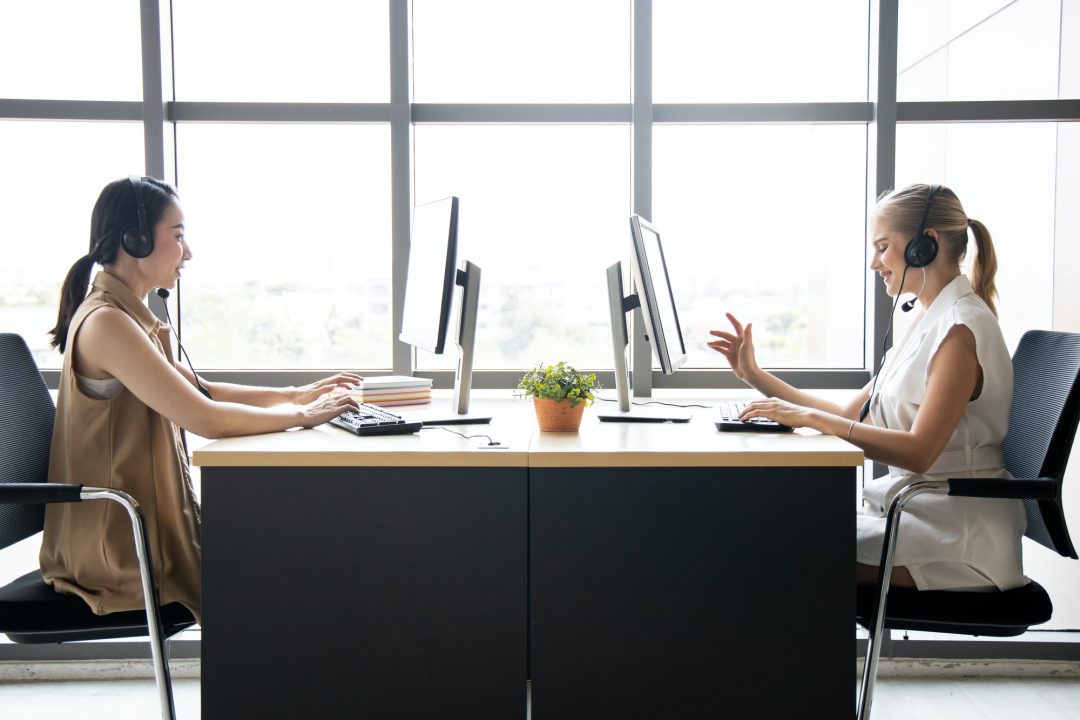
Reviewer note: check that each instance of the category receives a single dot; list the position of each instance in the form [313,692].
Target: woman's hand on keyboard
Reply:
[313,391]
[781,411]
[326,408]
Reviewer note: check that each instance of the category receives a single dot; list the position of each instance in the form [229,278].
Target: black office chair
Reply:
[1042,425]
[30,610]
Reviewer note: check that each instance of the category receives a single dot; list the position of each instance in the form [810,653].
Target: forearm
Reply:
[228,419]
[771,386]
[261,397]
[898,448]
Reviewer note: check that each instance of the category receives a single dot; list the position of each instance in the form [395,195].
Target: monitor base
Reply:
[645,416]
[448,417]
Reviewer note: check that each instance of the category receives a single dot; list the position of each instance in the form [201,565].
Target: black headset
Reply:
[922,249]
[138,242]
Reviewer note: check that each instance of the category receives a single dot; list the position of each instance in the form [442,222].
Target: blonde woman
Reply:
[937,408]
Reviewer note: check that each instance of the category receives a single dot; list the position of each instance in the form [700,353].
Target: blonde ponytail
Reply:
[985,266]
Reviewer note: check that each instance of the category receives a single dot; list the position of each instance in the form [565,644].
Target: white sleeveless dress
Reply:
[949,543]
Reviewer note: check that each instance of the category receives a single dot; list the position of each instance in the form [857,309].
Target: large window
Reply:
[740,129]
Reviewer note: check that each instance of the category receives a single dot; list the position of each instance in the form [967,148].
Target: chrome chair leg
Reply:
[873,644]
[153,617]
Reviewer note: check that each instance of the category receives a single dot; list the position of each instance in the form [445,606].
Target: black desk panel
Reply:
[692,592]
[360,592]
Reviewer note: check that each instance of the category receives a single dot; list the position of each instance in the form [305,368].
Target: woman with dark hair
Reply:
[123,400]
[937,408]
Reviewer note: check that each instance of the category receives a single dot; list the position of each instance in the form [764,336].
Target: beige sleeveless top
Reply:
[119,443]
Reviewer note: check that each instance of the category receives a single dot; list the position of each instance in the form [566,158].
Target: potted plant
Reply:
[560,395]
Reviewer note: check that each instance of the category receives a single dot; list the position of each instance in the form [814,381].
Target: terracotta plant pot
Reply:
[557,415]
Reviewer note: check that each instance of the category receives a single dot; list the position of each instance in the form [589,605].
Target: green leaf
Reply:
[559,381]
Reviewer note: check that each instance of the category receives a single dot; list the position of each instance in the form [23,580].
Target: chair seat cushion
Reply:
[996,614]
[31,611]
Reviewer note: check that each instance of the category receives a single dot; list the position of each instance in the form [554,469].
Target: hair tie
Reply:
[969,222]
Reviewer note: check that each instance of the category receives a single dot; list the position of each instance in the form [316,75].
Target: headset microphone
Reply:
[908,306]
[164,295]
[865,410]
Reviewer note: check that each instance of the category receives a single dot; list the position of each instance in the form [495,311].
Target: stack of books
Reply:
[393,390]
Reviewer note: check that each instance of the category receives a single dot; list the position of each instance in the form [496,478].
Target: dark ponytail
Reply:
[71,295]
[115,211]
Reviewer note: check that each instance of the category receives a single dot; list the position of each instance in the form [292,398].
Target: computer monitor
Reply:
[662,328]
[432,277]
[651,275]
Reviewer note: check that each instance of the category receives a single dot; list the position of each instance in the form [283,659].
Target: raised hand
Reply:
[737,348]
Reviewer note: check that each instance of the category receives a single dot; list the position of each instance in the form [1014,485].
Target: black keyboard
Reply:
[726,416]
[373,420]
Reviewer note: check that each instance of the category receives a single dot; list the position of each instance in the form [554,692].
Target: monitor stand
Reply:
[619,305]
[458,411]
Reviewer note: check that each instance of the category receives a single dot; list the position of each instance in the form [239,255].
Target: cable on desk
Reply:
[657,402]
[467,437]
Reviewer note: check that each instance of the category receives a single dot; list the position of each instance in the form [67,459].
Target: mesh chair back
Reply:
[26,426]
[1042,425]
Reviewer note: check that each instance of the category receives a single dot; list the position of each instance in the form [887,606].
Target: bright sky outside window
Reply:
[764,51]
[283,51]
[986,50]
[487,51]
[767,222]
[70,50]
[544,210]
[290,229]
[45,213]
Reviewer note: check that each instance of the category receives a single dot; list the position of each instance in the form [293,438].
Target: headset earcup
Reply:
[921,251]
[135,243]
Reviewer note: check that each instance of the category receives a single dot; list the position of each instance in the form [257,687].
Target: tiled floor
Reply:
[95,700]
[895,699]
[977,699]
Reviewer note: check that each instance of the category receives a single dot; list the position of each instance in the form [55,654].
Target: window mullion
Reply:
[881,146]
[641,174]
[401,163]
